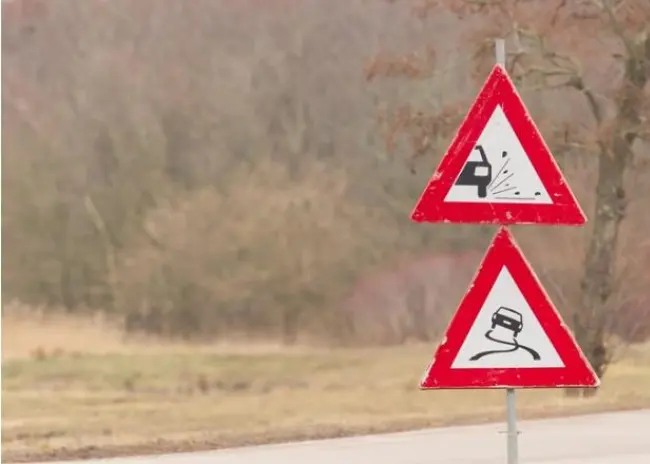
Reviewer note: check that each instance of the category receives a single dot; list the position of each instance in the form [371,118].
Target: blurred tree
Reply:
[210,166]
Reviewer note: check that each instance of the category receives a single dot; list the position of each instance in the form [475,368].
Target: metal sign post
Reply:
[505,310]
[513,446]
[500,49]
[511,403]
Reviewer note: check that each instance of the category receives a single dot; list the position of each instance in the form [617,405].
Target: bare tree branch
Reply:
[618,28]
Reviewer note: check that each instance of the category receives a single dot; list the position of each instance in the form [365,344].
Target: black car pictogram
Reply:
[513,321]
[477,173]
[508,319]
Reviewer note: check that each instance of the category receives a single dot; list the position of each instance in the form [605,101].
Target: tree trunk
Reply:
[597,281]
[615,156]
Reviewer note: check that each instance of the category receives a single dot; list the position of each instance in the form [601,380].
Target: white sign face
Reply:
[498,170]
[506,333]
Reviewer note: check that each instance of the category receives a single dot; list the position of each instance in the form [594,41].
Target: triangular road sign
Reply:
[506,332]
[498,169]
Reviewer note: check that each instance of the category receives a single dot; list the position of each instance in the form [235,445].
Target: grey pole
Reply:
[500,49]
[513,448]
[511,406]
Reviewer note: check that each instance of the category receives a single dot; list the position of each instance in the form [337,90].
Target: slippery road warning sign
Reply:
[506,332]
[498,169]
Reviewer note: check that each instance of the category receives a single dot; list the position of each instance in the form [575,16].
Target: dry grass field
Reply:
[75,388]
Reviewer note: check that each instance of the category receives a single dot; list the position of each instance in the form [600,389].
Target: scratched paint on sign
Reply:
[506,332]
[498,169]
[508,175]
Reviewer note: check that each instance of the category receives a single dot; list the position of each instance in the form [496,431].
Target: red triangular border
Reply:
[498,89]
[576,371]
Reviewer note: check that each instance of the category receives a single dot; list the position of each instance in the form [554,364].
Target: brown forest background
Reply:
[228,168]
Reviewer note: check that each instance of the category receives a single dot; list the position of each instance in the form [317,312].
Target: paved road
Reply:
[615,438]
